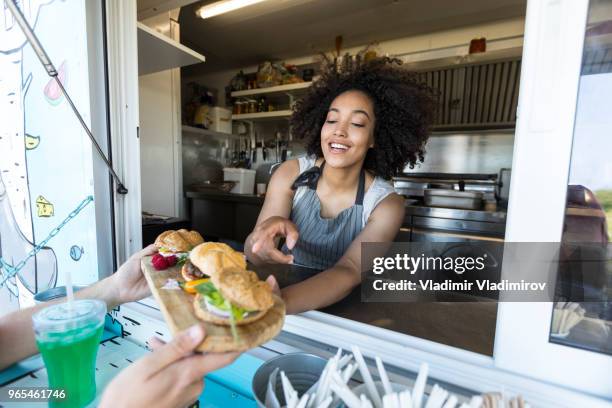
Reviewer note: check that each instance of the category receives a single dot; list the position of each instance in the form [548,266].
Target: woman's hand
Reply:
[129,283]
[171,376]
[273,283]
[263,240]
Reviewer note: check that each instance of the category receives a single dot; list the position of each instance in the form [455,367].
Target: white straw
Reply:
[69,291]
[419,385]
[288,390]
[405,399]
[323,390]
[383,376]
[344,360]
[476,401]
[365,403]
[325,402]
[451,402]
[391,401]
[302,402]
[367,377]
[348,372]
[318,394]
[346,395]
[436,397]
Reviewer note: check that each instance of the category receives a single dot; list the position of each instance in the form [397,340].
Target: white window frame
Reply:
[542,152]
[124,121]
[539,385]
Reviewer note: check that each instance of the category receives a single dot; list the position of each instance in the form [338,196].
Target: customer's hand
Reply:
[129,282]
[171,376]
[263,240]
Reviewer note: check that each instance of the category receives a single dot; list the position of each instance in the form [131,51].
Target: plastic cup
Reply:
[68,340]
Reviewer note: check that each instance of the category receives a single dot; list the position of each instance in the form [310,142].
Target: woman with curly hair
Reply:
[361,126]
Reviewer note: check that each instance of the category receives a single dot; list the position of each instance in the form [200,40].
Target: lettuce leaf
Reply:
[215,298]
[182,259]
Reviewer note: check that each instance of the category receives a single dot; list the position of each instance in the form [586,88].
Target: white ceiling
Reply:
[281,29]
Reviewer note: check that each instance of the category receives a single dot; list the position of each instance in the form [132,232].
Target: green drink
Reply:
[68,339]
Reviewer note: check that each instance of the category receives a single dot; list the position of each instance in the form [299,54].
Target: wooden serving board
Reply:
[177,308]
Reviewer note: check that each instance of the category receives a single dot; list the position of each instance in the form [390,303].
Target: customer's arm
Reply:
[126,285]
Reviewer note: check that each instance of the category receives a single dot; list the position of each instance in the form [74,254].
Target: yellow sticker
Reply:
[44,207]
[31,142]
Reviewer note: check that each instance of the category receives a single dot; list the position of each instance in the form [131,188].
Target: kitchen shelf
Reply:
[207,132]
[264,116]
[157,52]
[469,59]
[290,88]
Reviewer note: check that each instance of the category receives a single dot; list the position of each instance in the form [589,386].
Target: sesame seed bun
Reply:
[178,241]
[211,257]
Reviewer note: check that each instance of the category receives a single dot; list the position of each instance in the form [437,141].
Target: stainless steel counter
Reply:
[222,196]
[469,325]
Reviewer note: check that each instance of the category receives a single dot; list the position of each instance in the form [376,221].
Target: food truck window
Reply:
[54,190]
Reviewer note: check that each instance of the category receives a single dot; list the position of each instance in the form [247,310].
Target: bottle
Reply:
[262,107]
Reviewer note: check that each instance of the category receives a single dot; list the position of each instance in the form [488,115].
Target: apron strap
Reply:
[361,188]
[309,178]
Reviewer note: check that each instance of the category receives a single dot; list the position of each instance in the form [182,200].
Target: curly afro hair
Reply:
[403,108]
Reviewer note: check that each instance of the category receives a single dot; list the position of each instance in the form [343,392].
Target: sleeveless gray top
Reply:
[323,241]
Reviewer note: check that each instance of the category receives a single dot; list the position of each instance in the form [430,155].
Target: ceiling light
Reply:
[223,6]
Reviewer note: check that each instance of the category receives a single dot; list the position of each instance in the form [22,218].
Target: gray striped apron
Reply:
[323,241]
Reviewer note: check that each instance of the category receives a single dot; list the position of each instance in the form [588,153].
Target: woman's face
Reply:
[348,131]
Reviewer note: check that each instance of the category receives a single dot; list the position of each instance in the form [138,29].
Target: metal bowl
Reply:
[302,370]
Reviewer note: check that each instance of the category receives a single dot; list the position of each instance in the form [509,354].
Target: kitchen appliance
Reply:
[468,200]
[220,119]
[244,178]
[415,184]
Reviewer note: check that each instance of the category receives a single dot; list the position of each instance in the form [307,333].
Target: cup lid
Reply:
[60,317]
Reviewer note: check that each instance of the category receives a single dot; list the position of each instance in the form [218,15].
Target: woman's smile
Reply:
[338,147]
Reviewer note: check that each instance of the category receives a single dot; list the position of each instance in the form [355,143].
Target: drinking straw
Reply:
[391,400]
[288,390]
[365,402]
[344,360]
[367,377]
[345,394]
[302,402]
[383,376]
[325,402]
[69,292]
[348,372]
[436,397]
[476,401]
[419,385]
[450,402]
[405,399]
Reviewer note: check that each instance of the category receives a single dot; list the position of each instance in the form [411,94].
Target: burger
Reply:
[233,297]
[208,258]
[177,243]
